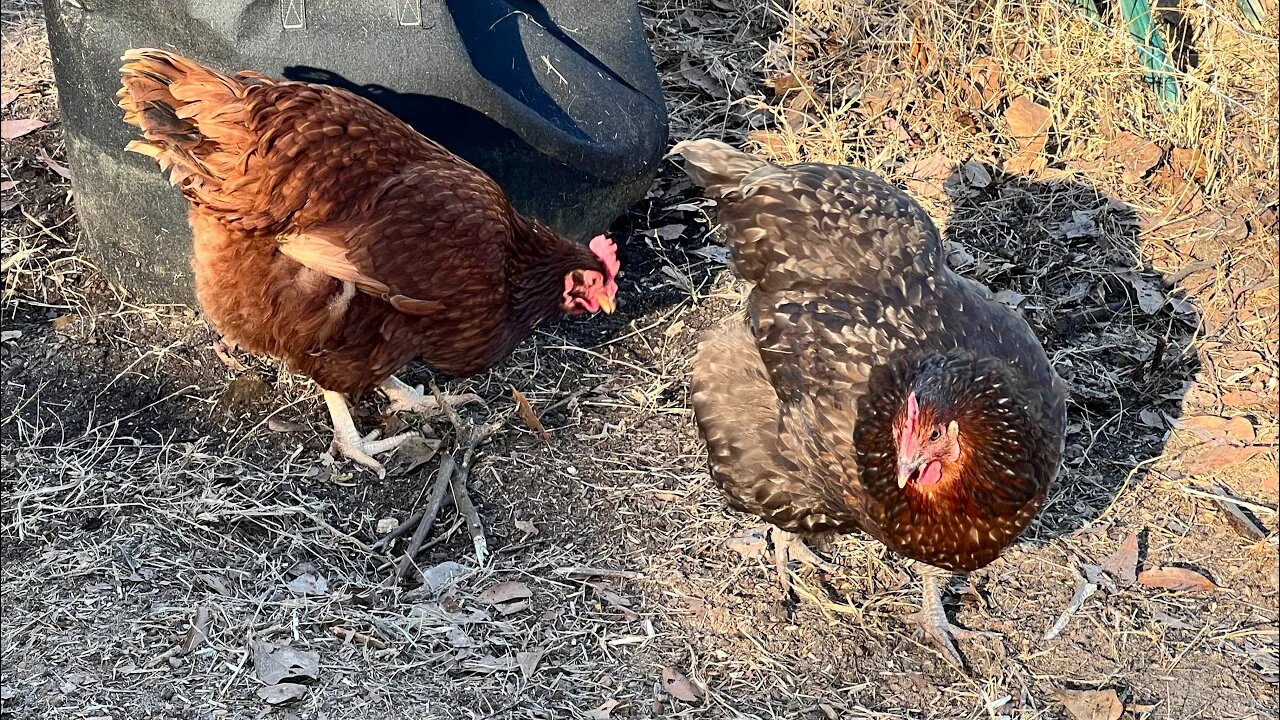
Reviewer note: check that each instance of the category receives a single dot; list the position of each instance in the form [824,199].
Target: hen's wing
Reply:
[809,224]
[756,459]
[426,239]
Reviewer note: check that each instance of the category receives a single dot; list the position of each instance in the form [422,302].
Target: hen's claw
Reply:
[407,398]
[932,620]
[789,546]
[348,442]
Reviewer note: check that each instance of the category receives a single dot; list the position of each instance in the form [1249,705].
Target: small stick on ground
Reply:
[428,518]
[450,476]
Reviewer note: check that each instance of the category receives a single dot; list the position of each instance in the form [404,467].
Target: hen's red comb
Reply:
[604,249]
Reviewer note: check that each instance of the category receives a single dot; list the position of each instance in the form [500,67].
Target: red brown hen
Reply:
[869,388]
[330,235]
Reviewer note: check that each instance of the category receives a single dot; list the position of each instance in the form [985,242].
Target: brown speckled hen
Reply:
[869,388]
[330,235]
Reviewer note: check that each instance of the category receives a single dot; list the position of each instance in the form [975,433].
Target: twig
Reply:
[475,436]
[428,518]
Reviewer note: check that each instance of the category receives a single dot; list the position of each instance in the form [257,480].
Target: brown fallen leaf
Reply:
[781,84]
[1123,563]
[1190,163]
[1027,162]
[985,74]
[283,662]
[7,97]
[527,414]
[603,711]
[275,424]
[1135,154]
[1175,578]
[12,129]
[675,684]
[925,176]
[282,693]
[1212,428]
[1091,704]
[1029,123]
[62,322]
[770,143]
[1213,459]
[54,165]
[506,595]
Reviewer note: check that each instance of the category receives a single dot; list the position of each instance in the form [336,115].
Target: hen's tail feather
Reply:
[716,166]
[192,117]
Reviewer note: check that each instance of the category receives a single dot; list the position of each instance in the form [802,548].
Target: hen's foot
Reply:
[932,620]
[790,546]
[348,442]
[406,398]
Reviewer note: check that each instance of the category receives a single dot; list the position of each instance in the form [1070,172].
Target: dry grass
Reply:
[160,508]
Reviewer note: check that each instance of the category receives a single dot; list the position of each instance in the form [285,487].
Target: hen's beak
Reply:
[908,470]
[606,304]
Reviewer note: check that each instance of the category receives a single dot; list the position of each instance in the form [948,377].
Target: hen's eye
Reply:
[933,436]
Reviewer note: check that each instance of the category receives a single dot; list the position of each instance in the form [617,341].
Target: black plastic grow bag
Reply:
[558,100]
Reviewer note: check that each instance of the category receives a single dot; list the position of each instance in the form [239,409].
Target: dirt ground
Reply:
[169,521]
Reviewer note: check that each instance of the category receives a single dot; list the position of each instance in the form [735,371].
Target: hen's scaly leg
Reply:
[348,441]
[406,398]
[789,546]
[932,618]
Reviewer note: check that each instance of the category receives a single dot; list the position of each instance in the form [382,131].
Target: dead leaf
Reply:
[507,597]
[1123,563]
[386,525]
[675,684]
[1150,295]
[769,143]
[603,711]
[8,185]
[1029,123]
[1091,704]
[62,322]
[308,583]
[528,661]
[438,577]
[411,455]
[925,176]
[985,74]
[1135,154]
[276,663]
[1082,224]
[275,424]
[1190,163]
[781,84]
[7,97]
[1026,162]
[54,165]
[873,103]
[527,527]
[527,414]
[1212,459]
[13,129]
[976,174]
[1175,578]
[282,693]
[1009,298]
